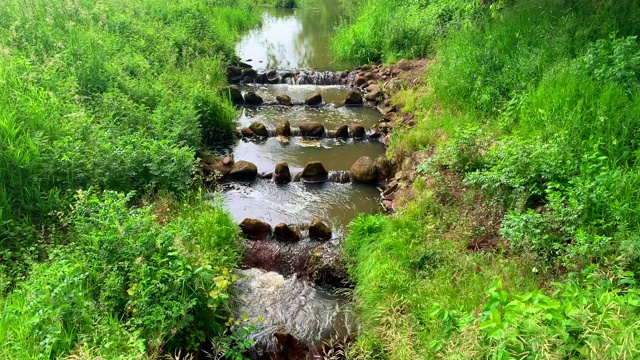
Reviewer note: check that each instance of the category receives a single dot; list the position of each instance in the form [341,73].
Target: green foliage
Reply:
[126,285]
[391,30]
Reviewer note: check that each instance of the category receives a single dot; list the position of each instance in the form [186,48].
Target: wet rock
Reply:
[249,73]
[233,93]
[314,100]
[284,100]
[354,98]
[384,168]
[311,129]
[375,132]
[246,132]
[234,74]
[212,166]
[360,80]
[265,175]
[251,98]
[342,132]
[282,139]
[384,127]
[364,170]
[319,230]
[244,65]
[259,129]
[327,267]
[357,131]
[283,129]
[388,205]
[340,177]
[285,233]
[243,171]
[314,171]
[282,174]
[255,229]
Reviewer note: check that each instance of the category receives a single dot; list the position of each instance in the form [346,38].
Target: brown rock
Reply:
[284,100]
[311,129]
[233,93]
[319,230]
[246,132]
[243,171]
[314,100]
[282,174]
[227,161]
[374,95]
[364,170]
[284,129]
[384,168]
[357,131]
[342,132]
[283,232]
[353,98]
[375,132]
[360,80]
[314,171]
[251,98]
[255,229]
[404,65]
[390,117]
[259,129]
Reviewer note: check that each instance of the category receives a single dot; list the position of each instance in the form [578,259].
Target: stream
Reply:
[274,282]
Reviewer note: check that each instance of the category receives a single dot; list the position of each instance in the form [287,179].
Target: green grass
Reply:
[125,285]
[533,107]
[113,96]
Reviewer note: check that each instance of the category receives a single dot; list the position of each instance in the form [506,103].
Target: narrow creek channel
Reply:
[294,287]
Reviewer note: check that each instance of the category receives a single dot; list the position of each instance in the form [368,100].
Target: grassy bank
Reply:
[521,240]
[116,97]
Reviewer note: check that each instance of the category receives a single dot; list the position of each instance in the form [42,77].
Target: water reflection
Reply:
[290,39]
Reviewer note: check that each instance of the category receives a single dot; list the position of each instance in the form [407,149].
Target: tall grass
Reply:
[533,105]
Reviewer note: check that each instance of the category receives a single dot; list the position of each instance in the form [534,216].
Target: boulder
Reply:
[227,161]
[285,233]
[234,74]
[384,168]
[353,98]
[255,229]
[357,131]
[284,100]
[403,65]
[251,98]
[313,100]
[342,132]
[314,171]
[390,117]
[311,129]
[374,95]
[249,73]
[282,174]
[259,129]
[319,230]
[246,132]
[283,129]
[364,170]
[243,171]
[233,93]
[360,80]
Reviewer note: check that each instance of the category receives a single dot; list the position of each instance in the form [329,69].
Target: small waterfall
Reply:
[291,306]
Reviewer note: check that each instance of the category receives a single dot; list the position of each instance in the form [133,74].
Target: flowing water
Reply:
[293,39]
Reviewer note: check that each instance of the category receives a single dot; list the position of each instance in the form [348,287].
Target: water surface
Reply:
[294,38]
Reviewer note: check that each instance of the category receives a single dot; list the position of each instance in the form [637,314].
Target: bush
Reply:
[127,285]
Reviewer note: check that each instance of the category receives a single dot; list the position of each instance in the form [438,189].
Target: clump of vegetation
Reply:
[532,106]
[391,30]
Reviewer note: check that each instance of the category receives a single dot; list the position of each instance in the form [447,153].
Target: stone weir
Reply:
[244,74]
[365,171]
